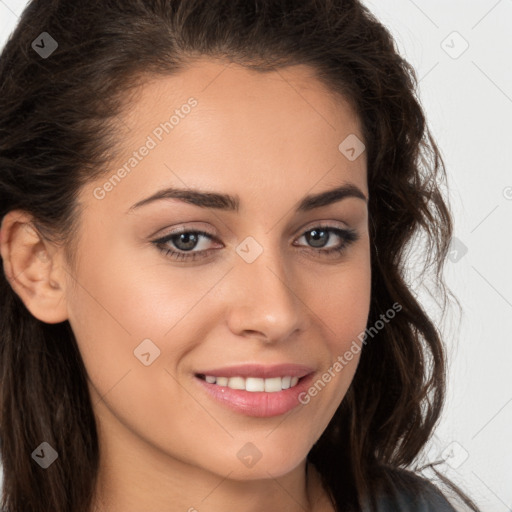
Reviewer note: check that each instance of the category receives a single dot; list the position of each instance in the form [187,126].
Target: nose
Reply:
[264,298]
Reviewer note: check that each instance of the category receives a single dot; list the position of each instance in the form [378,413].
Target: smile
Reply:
[253,384]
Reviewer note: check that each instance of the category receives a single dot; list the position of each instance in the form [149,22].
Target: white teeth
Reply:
[254,384]
[236,383]
[222,381]
[273,385]
[286,382]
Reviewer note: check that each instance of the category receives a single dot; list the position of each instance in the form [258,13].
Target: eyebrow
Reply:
[217,201]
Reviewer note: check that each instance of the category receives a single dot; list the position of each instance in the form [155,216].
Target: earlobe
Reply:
[33,267]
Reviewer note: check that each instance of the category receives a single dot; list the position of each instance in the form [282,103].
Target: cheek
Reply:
[346,311]
[343,302]
[112,309]
[126,307]
[343,307]
[340,304]
[129,292]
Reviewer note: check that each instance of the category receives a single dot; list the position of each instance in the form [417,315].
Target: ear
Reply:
[32,265]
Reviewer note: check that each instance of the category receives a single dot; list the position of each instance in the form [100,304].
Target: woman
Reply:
[205,207]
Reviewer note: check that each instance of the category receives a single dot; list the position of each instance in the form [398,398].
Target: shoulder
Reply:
[404,491]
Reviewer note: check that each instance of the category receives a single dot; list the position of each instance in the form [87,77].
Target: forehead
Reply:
[220,125]
[221,79]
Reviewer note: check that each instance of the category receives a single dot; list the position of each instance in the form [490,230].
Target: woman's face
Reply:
[261,290]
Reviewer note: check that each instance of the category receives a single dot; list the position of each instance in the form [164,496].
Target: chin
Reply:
[271,465]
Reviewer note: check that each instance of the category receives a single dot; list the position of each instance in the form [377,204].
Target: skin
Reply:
[271,139]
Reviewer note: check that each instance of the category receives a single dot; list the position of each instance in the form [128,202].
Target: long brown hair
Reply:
[57,133]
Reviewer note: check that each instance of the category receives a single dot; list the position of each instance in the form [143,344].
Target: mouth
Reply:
[255,390]
[253,384]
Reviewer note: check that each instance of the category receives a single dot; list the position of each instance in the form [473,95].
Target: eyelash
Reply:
[349,236]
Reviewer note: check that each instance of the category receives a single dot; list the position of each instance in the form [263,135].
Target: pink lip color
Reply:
[258,404]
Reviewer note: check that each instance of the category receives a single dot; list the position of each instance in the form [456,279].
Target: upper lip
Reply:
[260,371]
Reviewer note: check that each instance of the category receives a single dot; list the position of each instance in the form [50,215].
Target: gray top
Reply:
[431,501]
[404,496]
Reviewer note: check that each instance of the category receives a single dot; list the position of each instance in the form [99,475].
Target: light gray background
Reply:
[467,97]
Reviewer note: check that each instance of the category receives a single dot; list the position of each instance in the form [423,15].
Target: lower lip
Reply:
[258,403]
